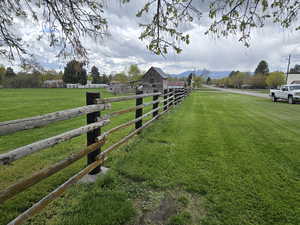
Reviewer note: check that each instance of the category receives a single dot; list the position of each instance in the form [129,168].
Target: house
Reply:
[154,80]
[293,78]
[175,84]
[53,84]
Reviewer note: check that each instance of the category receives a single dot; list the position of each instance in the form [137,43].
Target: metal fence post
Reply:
[139,112]
[92,135]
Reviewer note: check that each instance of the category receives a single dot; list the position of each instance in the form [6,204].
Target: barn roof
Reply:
[160,72]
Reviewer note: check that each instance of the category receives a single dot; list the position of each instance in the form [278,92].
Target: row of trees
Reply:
[241,79]
[26,79]
[132,74]
[261,78]
[74,72]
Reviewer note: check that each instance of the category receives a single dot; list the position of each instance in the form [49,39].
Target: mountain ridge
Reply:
[204,72]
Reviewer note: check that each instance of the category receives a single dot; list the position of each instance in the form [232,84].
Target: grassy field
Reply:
[218,158]
[20,103]
[264,91]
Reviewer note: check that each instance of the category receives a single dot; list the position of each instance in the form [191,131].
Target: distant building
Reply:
[296,82]
[154,79]
[86,86]
[175,84]
[293,78]
[120,88]
[53,84]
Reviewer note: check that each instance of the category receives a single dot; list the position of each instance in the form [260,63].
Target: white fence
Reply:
[86,86]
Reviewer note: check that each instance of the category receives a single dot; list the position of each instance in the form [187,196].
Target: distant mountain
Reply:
[204,72]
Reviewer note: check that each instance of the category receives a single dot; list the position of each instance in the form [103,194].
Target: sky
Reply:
[122,47]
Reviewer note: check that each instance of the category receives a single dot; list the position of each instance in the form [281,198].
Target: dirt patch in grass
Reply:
[160,214]
[168,207]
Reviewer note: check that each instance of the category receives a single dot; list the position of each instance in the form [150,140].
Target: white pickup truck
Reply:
[290,93]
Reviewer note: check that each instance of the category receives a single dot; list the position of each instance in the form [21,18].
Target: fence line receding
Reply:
[161,103]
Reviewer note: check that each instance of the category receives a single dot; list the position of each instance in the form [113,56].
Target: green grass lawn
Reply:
[264,91]
[203,88]
[21,103]
[218,158]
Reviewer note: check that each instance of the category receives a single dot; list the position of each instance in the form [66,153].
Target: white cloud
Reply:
[123,47]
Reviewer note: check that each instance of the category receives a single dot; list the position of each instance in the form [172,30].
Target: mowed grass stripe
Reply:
[224,148]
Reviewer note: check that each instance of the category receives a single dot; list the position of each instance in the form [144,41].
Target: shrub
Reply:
[275,79]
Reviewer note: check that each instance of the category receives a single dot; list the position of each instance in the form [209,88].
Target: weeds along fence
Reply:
[161,103]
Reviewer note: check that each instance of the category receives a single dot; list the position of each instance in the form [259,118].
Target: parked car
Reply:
[290,93]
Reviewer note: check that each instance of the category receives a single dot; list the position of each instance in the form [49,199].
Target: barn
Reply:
[154,79]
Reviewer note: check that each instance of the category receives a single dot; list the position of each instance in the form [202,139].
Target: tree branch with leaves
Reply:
[69,21]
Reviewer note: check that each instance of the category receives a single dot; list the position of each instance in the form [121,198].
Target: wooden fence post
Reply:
[170,94]
[139,112]
[180,95]
[155,105]
[92,135]
[173,97]
[166,95]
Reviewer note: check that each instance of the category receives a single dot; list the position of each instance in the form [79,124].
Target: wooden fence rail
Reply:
[95,139]
[23,151]
[39,121]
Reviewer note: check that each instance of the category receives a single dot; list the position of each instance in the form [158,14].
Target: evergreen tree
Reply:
[10,73]
[75,73]
[189,79]
[83,77]
[95,75]
[208,81]
[262,68]
[105,79]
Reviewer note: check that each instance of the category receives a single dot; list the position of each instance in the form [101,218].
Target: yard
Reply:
[218,158]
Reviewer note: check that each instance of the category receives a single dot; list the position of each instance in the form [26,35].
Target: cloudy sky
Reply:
[122,48]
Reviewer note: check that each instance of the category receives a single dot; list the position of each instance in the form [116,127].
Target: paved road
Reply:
[261,95]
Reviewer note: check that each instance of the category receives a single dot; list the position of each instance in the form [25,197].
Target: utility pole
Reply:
[288,68]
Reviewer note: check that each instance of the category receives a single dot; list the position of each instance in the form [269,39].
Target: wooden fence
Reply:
[95,139]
